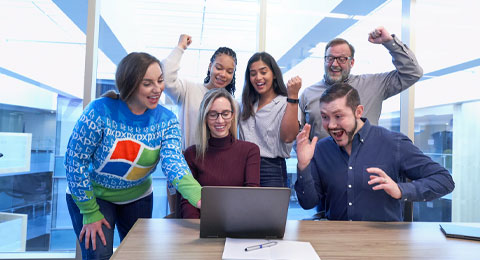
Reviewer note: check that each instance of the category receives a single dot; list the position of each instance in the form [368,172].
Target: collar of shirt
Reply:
[276,100]
[363,132]
[360,136]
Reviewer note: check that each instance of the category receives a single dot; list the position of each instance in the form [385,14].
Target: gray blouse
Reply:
[263,129]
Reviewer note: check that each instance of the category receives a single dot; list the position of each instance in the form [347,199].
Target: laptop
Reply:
[244,212]
[460,231]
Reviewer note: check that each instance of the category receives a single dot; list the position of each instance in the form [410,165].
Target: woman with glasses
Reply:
[187,95]
[219,159]
[269,116]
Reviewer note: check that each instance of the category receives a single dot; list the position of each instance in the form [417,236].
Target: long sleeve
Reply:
[85,139]
[308,187]
[252,167]
[174,164]
[187,95]
[429,179]
[407,72]
[175,88]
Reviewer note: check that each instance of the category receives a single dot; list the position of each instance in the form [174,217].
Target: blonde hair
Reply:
[203,132]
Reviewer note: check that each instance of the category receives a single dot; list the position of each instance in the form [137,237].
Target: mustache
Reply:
[336,68]
[336,129]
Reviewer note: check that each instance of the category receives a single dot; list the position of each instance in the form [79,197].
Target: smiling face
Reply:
[221,71]
[220,126]
[261,77]
[335,71]
[340,121]
[148,93]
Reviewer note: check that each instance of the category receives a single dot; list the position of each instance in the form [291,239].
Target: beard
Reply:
[330,81]
[349,134]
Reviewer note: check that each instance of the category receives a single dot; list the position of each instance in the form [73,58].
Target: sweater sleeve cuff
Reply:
[180,50]
[189,188]
[92,217]
[90,210]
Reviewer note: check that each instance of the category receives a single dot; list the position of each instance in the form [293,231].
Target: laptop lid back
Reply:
[244,212]
[460,231]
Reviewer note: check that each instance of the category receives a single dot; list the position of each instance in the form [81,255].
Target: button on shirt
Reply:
[263,129]
[341,180]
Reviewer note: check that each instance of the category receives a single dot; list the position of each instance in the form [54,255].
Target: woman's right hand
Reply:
[90,232]
[184,41]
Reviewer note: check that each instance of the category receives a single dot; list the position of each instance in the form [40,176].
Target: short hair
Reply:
[250,95]
[340,90]
[338,41]
[203,132]
[227,51]
[130,73]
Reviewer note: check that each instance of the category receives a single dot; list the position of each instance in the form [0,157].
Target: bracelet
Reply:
[292,100]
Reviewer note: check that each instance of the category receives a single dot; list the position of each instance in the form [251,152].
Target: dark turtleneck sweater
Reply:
[227,162]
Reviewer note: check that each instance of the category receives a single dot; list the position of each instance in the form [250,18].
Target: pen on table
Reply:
[255,247]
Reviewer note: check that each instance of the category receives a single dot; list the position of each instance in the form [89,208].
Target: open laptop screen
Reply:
[244,212]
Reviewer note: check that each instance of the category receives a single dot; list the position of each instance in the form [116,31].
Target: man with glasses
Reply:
[360,170]
[373,88]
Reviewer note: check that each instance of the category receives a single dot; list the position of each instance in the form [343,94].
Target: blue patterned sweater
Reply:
[112,153]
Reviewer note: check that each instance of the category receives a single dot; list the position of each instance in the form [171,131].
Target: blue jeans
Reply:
[273,172]
[123,216]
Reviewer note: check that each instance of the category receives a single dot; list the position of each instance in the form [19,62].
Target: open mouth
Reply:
[259,85]
[335,70]
[337,133]
[219,128]
[153,99]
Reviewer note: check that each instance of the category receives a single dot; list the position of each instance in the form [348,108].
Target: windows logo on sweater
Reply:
[130,159]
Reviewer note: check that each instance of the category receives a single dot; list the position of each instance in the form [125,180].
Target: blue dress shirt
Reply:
[341,180]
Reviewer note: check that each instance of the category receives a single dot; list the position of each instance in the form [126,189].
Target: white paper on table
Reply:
[235,249]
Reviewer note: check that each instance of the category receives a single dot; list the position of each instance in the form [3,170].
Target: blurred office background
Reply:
[42,79]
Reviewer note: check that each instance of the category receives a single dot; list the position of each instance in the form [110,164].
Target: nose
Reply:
[335,62]
[332,124]
[219,118]
[158,87]
[222,73]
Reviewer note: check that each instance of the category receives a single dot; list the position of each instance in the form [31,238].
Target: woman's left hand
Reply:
[293,87]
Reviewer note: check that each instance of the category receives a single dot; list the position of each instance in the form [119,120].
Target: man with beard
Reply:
[373,88]
[360,170]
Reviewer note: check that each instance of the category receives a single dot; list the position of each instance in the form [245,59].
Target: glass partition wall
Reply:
[42,61]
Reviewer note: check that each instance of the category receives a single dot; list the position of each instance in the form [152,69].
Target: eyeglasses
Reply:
[213,115]
[340,60]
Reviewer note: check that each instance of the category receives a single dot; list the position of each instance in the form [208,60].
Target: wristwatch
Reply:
[294,101]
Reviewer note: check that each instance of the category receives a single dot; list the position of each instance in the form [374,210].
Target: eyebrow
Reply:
[146,79]
[262,68]
[332,112]
[225,110]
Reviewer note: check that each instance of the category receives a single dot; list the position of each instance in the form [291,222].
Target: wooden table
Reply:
[179,239]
